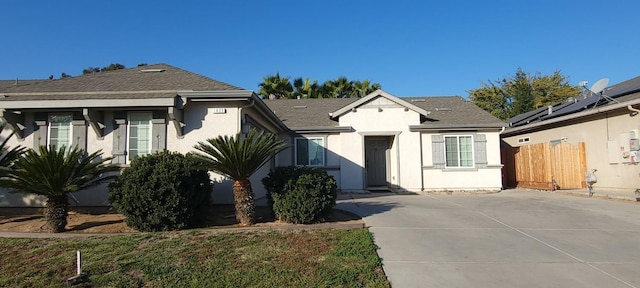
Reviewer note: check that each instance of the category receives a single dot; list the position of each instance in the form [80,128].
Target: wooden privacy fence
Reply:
[547,166]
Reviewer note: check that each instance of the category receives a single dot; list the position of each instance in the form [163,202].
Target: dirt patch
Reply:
[107,220]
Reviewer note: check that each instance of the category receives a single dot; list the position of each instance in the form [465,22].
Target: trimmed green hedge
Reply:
[300,194]
[161,192]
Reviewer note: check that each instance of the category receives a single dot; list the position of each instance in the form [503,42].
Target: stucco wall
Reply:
[489,178]
[201,123]
[603,137]
[404,162]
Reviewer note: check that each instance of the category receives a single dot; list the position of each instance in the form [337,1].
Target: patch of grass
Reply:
[315,258]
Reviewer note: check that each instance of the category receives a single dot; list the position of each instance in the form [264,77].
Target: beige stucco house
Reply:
[376,142]
[608,125]
[382,142]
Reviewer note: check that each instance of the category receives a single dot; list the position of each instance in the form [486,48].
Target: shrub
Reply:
[300,194]
[276,180]
[162,191]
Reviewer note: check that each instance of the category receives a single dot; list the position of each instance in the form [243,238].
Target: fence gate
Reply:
[545,165]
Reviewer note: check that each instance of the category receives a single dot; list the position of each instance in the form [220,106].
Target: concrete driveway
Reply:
[516,238]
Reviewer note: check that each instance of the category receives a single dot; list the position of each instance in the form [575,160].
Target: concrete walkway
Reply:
[516,238]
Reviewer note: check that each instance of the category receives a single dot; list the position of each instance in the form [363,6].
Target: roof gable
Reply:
[375,94]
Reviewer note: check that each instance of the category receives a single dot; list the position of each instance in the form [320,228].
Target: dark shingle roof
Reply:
[8,84]
[163,80]
[307,112]
[315,112]
[452,110]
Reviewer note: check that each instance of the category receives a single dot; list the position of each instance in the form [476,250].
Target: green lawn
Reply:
[307,258]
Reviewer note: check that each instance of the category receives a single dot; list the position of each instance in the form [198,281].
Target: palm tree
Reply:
[8,156]
[364,88]
[274,86]
[55,174]
[305,88]
[339,88]
[238,157]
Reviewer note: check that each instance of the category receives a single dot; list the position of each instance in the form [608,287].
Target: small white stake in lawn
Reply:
[79,278]
[79,267]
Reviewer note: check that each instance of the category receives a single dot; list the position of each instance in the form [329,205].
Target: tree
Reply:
[90,70]
[305,88]
[8,155]
[112,67]
[274,86]
[522,93]
[492,99]
[520,89]
[553,88]
[364,88]
[339,88]
[238,157]
[55,173]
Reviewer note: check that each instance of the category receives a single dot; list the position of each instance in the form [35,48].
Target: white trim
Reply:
[69,126]
[473,162]
[309,138]
[149,136]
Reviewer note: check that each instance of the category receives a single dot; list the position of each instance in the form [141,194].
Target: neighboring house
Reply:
[379,142]
[131,112]
[382,142]
[607,125]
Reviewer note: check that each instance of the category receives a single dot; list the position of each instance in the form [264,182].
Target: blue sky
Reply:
[412,48]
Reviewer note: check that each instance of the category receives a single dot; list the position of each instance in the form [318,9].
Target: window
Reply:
[459,151]
[59,133]
[310,151]
[139,134]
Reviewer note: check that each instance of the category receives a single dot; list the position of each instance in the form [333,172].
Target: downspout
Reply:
[633,109]
[398,156]
[251,103]
[421,165]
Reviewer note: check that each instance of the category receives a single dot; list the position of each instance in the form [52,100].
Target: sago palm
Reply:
[7,155]
[55,173]
[238,157]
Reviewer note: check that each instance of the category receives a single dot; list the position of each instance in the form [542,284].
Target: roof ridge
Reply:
[202,76]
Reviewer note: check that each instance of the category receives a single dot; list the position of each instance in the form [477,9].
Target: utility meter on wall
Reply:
[634,144]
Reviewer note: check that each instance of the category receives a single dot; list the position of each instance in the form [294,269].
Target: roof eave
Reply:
[215,94]
[321,129]
[88,103]
[457,127]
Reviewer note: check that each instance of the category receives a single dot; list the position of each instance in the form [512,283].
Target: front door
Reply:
[376,151]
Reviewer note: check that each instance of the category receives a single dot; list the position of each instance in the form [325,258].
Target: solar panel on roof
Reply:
[537,114]
[578,106]
[624,87]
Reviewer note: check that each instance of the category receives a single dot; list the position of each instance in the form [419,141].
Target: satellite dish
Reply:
[599,85]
